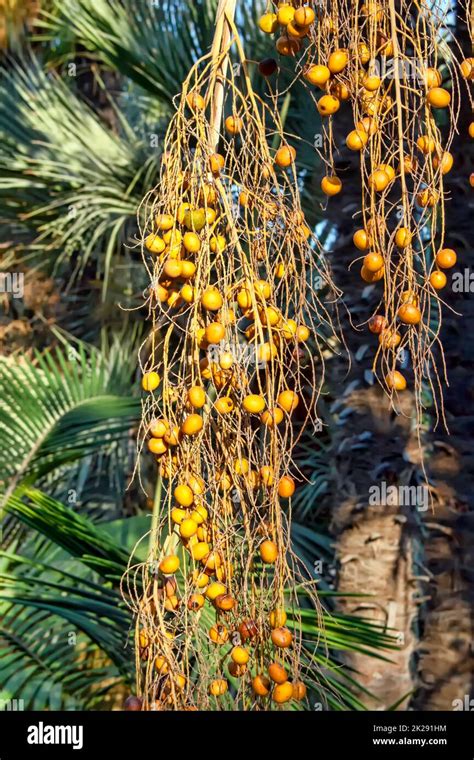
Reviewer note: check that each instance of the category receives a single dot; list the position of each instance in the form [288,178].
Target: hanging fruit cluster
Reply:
[234,273]
[392,64]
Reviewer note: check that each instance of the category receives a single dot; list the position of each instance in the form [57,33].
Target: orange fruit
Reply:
[270,419]
[403,237]
[288,46]
[426,144]
[216,162]
[254,404]
[211,299]
[192,425]
[379,180]
[150,381]
[261,685]
[188,528]
[438,279]
[299,690]
[288,400]
[286,487]
[396,381]
[218,687]
[409,314]
[285,156]
[432,78]
[438,97]
[338,61]
[282,637]
[361,240]
[215,332]
[266,475]
[218,634]
[277,618]
[444,161]
[331,185]
[195,101]
[446,258]
[169,564]
[370,277]
[377,324]
[159,428]
[195,602]
[157,446]
[191,242]
[224,405]
[197,396]
[328,104]
[268,552]
[356,139]
[233,125]
[467,68]
[277,673]
[282,692]
[373,262]
[317,74]
[304,16]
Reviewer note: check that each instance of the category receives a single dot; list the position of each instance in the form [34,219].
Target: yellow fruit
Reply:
[286,13]
[379,180]
[216,162]
[183,495]
[438,97]
[211,299]
[157,446]
[172,268]
[197,396]
[187,293]
[214,590]
[288,400]
[373,262]
[337,61]
[389,171]
[199,514]
[178,515]
[277,618]
[331,185]
[199,550]
[191,242]
[403,237]
[438,279]
[426,144]
[240,655]
[217,244]
[218,687]
[371,82]
[317,75]
[328,105]
[254,404]
[154,243]
[444,161]
[285,156]
[224,405]
[467,68]
[188,528]
[356,139]
[268,552]
[196,601]
[268,23]
[150,381]
[215,332]
[304,16]
[219,634]
[195,101]
[159,428]
[286,487]
[266,476]
[427,198]
[270,419]
[192,425]
[173,436]
[234,125]
[241,466]
[169,564]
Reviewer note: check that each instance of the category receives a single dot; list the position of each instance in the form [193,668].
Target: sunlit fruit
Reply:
[396,381]
[328,105]
[195,101]
[268,552]
[266,475]
[196,601]
[282,692]
[211,299]
[183,495]
[403,237]
[426,144]
[288,400]
[361,240]
[438,97]
[389,338]
[191,242]
[371,82]
[373,261]
[215,332]
[197,396]
[215,589]
[277,673]
[233,125]
[155,244]
[356,139]
[178,515]
[192,425]
[225,602]
[337,61]
[240,655]
[331,185]
[224,405]
[446,258]
[218,687]
[371,277]
[286,487]
[427,198]
[285,156]
[432,78]
[157,446]
[467,68]
[161,665]
[169,564]
[200,550]
[438,279]
[188,528]
[317,74]
[261,685]
[217,243]
[150,381]
[379,180]
[377,324]
[254,404]
[248,630]
[409,314]
[218,634]
[273,417]
[159,428]
[304,16]
[281,637]
[444,161]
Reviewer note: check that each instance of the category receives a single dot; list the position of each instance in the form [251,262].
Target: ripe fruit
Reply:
[157,446]
[216,162]
[150,381]
[282,692]
[277,673]
[197,396]
[317,74]
[154,243]
[192,425]
[195,101]
[285,156]
[218,634]
[169,564]
[467,68]
[272,418]
[356,139]
[389,338]
[377,324]
[379,180]
[304,16]
[248,630]
[403,237]
[438,97]
[240,655]
[172,268]
[426,144]
[183,495]
[373,262]
[361,240]
[438,279]
[444,161]
[409,314]
[254,404]
[188,528]
[328,104]
[299,690]
[285,14]
[427,198]
[159,428]
[371,82]
[432,78]
[266,475]
[199,550]
[133,704]
[282,637]
[178,515]
[371,277]
[446,258]
[196,601]
[188,269]
[224,405]
[286,487]
[214,590]
[215,332]
[191,242]
[288,400]
[261,685]
[268,552]
[218,687]
[396,381]
[331,185]
[233,125]
[225,602]
[337,61]
[211,299]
